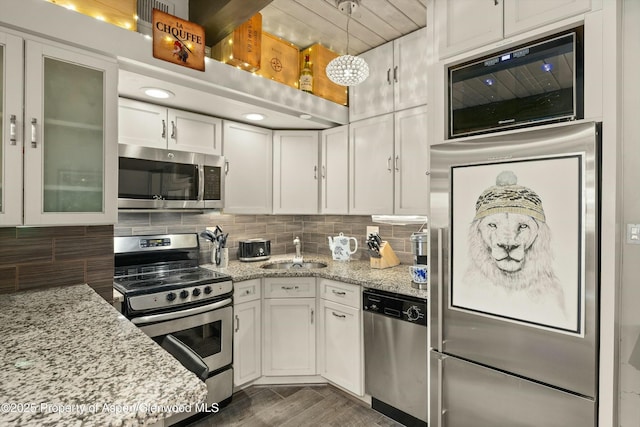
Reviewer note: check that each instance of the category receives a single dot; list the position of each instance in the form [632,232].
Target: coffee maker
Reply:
[420,250]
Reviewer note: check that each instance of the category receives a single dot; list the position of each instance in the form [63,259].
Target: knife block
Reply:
[388,257]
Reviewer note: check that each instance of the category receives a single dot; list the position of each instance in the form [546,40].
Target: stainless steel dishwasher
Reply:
[395,355]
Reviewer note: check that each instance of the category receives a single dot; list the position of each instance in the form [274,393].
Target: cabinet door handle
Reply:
[289,288]
[237,323]
[312,316]
[12,129]
[395,74]
[388,75]
[315,172]
[173,130]
[342,316]
[164,129]
[324,172]
[389,164]
[226,167]
[34,133]
[495,2]
[341,293]
[397,159]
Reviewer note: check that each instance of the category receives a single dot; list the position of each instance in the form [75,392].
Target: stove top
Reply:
[161,272]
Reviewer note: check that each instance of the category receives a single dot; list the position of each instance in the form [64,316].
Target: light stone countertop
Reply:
[395,279]
[68,346]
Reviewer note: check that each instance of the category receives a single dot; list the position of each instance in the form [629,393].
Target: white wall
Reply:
[629,403]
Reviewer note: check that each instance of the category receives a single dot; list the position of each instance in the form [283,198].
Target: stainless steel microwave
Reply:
[531,84]
[152,178]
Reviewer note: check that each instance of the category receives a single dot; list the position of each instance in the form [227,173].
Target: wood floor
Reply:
[295,406]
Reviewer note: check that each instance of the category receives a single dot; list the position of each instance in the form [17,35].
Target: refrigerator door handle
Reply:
[437,411]
[438,288]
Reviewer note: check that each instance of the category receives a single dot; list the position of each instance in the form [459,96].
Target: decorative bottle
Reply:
[306,76]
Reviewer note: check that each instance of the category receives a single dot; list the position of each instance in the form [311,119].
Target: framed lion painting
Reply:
[518,241]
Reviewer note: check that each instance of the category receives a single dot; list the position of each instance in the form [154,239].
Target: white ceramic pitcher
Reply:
[340,246]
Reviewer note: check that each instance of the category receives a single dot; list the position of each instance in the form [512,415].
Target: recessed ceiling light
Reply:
[155,92]
[254,116]
[305,116]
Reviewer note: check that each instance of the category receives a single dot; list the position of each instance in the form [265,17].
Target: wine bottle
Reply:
[306,76]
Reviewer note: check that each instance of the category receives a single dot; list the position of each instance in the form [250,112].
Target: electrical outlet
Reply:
[372,229]
[633,234]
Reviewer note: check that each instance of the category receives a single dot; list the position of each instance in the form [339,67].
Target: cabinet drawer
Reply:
[343,293]
[289,287]
[247,290]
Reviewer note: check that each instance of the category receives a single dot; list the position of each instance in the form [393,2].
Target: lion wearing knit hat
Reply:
[509,245]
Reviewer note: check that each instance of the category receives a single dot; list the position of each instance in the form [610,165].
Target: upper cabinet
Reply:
[295,172]
[59,142]
[334,171]
[459,29]
[397,78]
[151,125]
[248,183]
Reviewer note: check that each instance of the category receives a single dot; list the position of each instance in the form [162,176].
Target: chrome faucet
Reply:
[298,257]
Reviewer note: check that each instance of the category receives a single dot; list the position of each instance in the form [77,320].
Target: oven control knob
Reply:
[184,294]
[196,292]
[171,296]
[207,289]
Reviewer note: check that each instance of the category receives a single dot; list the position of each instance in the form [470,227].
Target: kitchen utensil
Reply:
[340,246]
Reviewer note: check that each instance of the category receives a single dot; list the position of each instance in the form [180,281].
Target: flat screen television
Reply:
[528,85]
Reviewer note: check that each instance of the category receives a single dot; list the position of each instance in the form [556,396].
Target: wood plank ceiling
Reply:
[375,22]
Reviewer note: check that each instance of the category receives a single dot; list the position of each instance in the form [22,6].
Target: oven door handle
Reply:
[152,318]
[186,356]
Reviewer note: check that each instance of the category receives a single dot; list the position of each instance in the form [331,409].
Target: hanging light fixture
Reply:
[347,70]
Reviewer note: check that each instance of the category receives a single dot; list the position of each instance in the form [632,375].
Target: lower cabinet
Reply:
[340,335]
[247,335]
[289,327]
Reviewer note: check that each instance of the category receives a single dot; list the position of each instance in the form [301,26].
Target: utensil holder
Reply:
[388,257]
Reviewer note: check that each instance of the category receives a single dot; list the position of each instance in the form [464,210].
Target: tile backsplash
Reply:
[46,257]
[313,230]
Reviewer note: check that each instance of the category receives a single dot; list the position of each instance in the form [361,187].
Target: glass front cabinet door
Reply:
[11,75]
[67,134]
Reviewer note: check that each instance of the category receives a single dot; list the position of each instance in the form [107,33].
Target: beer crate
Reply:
[279,60]
[242,47]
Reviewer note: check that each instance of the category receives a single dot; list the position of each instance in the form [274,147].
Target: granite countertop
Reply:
[395,279]
[70,359]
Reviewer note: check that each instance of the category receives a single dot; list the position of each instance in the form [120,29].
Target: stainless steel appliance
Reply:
[154,178]
[514,279]
[531,84]
[395,355]
[254,250]
[186,309]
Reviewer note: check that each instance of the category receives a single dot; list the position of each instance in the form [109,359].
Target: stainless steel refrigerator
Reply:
[514,273]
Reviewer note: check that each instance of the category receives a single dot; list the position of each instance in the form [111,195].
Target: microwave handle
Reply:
[201,183]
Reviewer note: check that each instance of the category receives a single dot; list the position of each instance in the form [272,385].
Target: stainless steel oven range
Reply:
[186,309]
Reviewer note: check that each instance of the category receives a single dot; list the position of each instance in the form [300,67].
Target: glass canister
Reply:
[420,247]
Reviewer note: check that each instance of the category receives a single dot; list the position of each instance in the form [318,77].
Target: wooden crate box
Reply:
[319,57]
[242,48]
[279,60]
[117,12]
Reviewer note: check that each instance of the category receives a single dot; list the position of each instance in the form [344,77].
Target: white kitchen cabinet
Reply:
[411,162]
[334,171]
[289,327]
[388,165]
[295,172]
[249,170]
[151,125]
[524,15]
[371,166]
[460,30]
[59,142]
[340,343]
[397,78]
[247,337]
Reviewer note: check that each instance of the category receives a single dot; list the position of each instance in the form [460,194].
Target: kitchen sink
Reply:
[286,265]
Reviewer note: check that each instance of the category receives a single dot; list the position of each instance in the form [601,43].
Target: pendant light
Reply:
[347,70]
